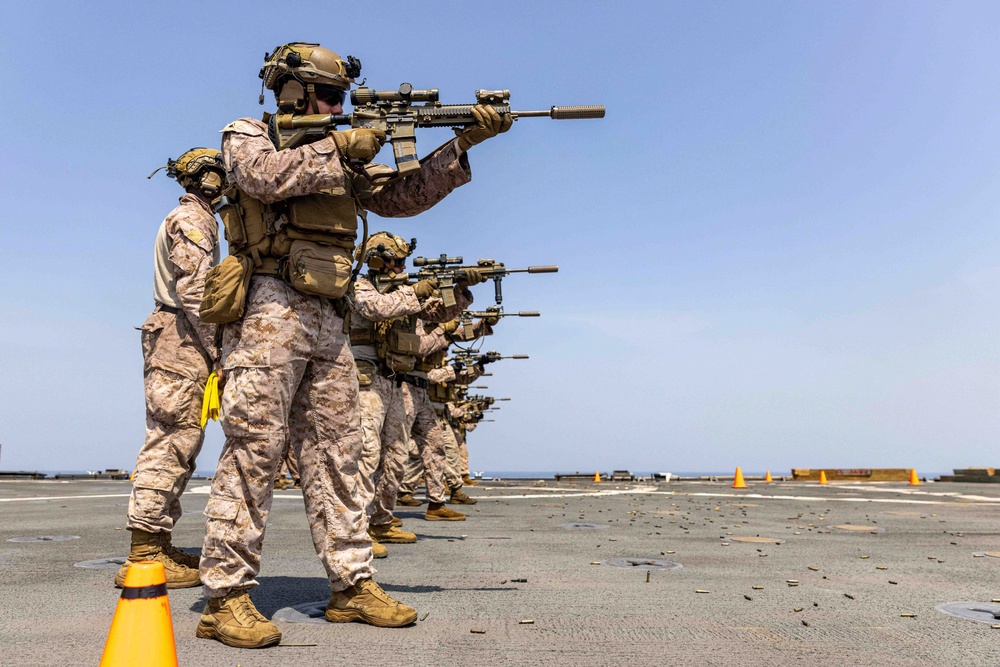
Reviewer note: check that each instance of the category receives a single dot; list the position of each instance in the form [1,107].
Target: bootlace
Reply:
[245,609]
[370,587]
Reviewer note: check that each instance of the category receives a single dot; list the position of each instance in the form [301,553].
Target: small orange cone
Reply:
[738,481]
[914,480]
[142,632]
[822,477]
[767,477]
[597,477]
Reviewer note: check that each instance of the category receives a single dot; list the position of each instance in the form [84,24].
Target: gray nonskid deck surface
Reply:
[462,573]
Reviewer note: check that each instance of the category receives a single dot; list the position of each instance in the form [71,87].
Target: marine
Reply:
[179,351]
[385,344]
[291,219]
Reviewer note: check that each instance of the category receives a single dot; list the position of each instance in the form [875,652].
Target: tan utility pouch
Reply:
[400,363]
[366,372]
[432,361]
[226,286]
[403,342]
[441,393]
[247,221]
[319,270]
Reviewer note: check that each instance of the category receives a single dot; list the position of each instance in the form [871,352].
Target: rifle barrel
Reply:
[565,113]
[533,269]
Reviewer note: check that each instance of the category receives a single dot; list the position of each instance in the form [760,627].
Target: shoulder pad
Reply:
[249,126]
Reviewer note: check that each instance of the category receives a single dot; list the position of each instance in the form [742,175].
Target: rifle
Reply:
[394,112]
[467,358]
[443,269]
[485,400]
[466,316]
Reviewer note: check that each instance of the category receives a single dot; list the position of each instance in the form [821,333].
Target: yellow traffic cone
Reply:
[914,480]
[142,632]
[822,477]
[597,477]
[767,477]
[738,481]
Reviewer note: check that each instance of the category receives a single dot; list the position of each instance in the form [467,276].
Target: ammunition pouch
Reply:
[226,287]
[396,343]
[441,393]
[248,222]
[431,361]
[401,350]
[366,371]
[362,337]
[326,214]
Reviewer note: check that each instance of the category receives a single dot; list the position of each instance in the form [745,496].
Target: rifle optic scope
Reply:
[406,93]
[442,260]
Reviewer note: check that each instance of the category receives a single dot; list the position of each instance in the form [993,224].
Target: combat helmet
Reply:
[383,247]
[199,167]
[300,72]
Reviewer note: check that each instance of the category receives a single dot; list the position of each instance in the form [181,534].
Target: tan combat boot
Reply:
[458,497]
[147,546]
[378,550]
[282,483]
[366,601]
[391,534]
[438,512]
[234,621]
[468,481]
[190,560]
[407,500]
[397,522]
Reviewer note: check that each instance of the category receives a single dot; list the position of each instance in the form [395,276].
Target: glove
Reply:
[360,143]
[425,288]
[492,321]
[472,277]
[450,326]
[489,123]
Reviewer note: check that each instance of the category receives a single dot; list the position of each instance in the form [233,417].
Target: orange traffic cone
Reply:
[914,480]
[597,477]
[822,477]
[767,477]
[142,632]
[738,481]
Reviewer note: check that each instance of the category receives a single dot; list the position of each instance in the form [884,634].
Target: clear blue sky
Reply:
[779,249]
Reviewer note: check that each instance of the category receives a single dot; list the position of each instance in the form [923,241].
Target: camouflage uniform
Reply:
[289,465]
[384,427]
[178,353]
[413,465]
[289,365]
[463,450]
[435,452]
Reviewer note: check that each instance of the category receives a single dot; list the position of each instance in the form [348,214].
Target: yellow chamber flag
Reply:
[210,403]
